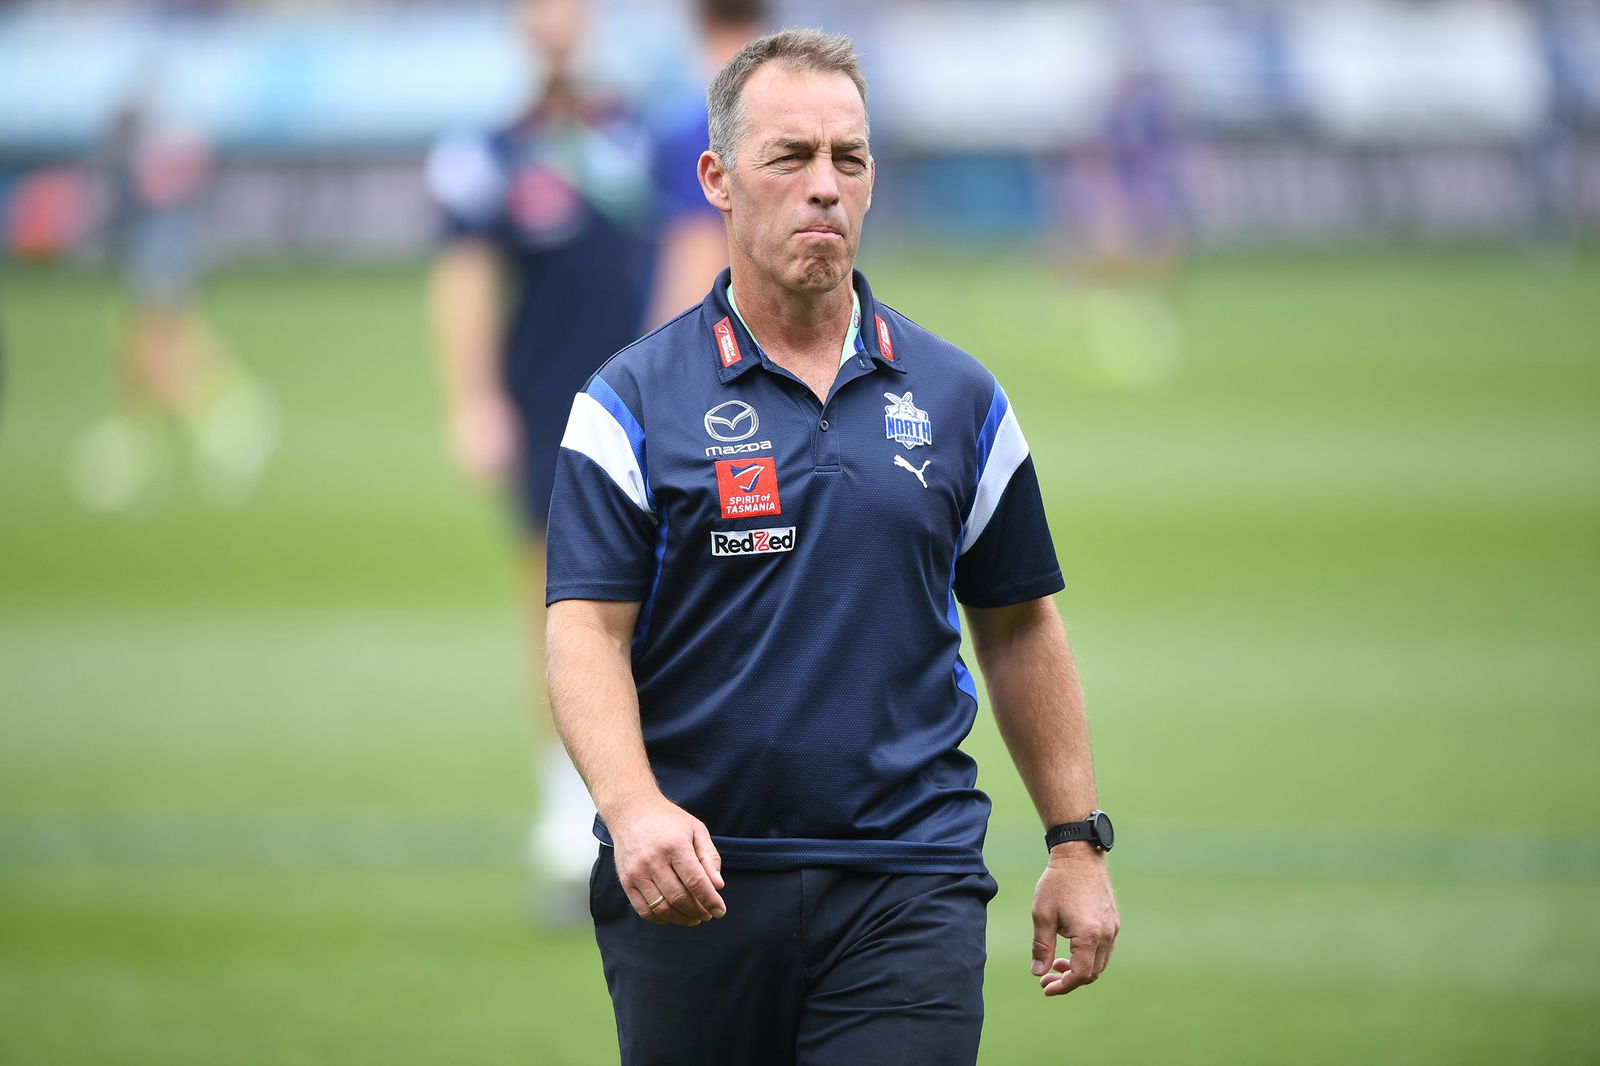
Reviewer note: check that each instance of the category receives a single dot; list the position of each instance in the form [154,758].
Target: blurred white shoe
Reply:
[233,439]
[1134,340]
[113,466]
[561,843]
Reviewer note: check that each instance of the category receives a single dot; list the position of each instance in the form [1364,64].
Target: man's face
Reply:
[802,183]
[554,29]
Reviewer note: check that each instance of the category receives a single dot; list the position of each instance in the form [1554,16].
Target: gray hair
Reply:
[801,50]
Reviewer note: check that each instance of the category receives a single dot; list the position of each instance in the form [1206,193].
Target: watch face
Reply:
[1104,834]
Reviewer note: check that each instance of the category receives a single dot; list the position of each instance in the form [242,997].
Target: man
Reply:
[693,246]
[542,273]
[174,371]
[753,636]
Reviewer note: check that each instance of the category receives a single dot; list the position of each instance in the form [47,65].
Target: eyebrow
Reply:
[851,145]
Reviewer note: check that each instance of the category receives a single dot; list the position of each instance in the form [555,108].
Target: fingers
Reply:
[648,903]
[1044,942]
[663,899]
[1054,982]
[682,891]
[660,901]
[1089,958]
[707,853]
[673,879]
[1079,970]
[702,875]
[696,899]
[1079,906]
[1102,954]
[484,437]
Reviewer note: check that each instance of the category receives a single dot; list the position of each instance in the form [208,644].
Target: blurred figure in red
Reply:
[174,370]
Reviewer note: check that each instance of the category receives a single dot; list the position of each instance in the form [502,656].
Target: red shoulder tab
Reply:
[883,339]
[727,344]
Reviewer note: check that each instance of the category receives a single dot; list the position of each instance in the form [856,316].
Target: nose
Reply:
[824,183]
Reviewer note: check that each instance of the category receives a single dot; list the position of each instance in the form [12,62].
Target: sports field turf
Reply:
[1334,586]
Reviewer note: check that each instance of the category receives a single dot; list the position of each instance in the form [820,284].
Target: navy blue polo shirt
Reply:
[798,565]
[566,204]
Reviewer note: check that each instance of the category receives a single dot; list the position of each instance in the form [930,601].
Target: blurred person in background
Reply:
[174,369]
[1132,183]
[542,274]
[693,244]
[1127,183]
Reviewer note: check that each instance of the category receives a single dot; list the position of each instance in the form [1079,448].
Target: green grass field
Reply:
[1334,586]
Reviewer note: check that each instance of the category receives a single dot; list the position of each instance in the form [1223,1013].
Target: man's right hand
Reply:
[664,856]
[484,438]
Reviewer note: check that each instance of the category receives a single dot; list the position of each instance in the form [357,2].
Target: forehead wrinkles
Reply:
[806,131]
[804,108]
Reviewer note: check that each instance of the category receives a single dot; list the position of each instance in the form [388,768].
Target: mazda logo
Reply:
[731,421]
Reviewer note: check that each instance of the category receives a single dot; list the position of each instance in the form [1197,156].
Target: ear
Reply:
[714,179]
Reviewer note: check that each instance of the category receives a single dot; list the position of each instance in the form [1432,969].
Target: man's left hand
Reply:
[1073,899]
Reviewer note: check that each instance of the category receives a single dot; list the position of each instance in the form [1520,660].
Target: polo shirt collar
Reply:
[736,351]
[877,337]
[847,351]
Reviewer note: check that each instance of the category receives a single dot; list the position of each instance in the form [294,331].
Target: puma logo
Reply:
[899,460]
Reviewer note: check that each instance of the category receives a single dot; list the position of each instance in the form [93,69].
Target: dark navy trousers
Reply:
[810,967]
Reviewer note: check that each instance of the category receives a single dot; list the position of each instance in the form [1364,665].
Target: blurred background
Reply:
[1299,305]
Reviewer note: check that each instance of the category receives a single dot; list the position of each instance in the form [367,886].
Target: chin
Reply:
[819,276]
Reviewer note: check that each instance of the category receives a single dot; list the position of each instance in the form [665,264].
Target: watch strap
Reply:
[1060,834]
[1095,830]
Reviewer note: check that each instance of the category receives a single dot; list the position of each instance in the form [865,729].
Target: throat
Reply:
[811,342]
[817,372]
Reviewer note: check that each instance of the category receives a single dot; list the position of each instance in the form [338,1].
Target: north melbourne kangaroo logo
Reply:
[905,422]
[900,460]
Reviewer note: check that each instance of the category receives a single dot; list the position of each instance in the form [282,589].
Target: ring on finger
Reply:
[658,901]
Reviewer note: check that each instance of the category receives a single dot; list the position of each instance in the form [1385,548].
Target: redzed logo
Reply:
[883,339]
[753,542]
[726,344]
[748,488]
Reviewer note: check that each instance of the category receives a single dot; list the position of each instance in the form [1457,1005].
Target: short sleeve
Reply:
[1006,554]
[603,528]
[465,178]
[677,166]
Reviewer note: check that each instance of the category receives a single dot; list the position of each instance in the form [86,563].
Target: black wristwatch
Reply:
[1095,829]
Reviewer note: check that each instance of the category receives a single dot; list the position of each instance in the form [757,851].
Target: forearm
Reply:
[693,251]
[464,300]
[1037,701]
[594,702]
[1038,704]
[666,861]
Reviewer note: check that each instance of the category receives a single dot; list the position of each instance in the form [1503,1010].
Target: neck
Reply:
[793,326]
[560,98]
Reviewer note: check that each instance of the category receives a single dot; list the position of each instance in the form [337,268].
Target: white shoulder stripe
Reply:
[1010,449]
[593,431]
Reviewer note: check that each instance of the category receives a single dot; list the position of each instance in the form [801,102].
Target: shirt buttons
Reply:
[823,425]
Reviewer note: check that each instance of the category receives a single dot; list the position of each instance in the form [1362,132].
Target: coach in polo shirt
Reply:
[765,514]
